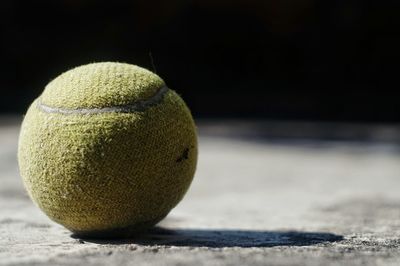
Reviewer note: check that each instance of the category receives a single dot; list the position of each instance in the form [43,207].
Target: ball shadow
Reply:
[222,238]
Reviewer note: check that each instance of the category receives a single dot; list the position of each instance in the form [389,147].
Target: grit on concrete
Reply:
[264,194]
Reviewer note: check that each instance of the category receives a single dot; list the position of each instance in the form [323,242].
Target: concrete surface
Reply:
[264,194]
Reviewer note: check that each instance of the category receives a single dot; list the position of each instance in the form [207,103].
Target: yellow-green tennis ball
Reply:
[107,149]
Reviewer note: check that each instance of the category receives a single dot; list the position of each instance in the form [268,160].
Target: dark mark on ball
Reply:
[184,156]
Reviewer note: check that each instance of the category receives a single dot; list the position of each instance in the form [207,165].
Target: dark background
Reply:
[331,60]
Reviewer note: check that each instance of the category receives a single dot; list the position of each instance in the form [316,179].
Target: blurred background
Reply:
[322,60]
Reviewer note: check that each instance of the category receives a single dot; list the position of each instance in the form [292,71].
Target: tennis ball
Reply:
[107,149]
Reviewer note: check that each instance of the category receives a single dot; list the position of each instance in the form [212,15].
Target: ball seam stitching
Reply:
[138,106]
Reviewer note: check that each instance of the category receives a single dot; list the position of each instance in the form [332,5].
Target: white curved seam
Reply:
[138,106]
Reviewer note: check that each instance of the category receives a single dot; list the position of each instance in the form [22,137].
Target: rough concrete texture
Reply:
[264,194]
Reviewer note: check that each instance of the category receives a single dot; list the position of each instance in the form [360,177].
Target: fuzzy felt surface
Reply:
[101,85]
[105,171]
